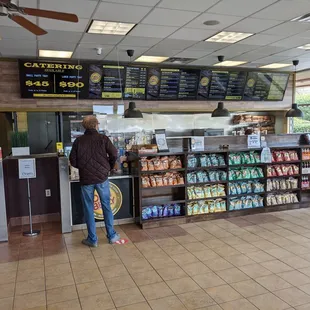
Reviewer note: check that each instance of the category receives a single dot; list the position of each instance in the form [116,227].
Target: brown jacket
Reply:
[94,155]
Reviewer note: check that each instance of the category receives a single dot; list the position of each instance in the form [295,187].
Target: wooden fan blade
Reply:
[22,21]
[67,17]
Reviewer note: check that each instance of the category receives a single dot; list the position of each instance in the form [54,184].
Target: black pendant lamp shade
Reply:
[132,111]
[220,111]
[294,111]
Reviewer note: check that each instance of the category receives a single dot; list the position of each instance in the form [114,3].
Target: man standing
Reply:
[95,155]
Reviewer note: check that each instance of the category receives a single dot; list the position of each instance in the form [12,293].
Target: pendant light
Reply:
[132,111]
[220,111]
[294,111]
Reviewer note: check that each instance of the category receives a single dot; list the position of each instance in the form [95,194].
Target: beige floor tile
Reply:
[279,253]
[298,249]
[305,288]
[119,283]
[167,303]
[166,242]
[223,293]
[59,269]
[139,266]
[303,307]
[7,290]
[249,237]
[85,264]
[61,294]
[6,267]
[240,260]
[273,282]
[268,301]
[31,286]
[59,281]
[80,256]
[67,305]
[91,288]
[185,239]
[226,251]
[108,261]
[29,301]
[293,296]
[8,277]
[264,245]
[194,269]
[233,240]
[215,307]
[240,304]
[195,247]
[113,271]
[249,288]
[295,277]
[127,297]
[56,259]
[276,266]
[30,263]
[260,256]
[99,302]
[172,273]
[206,255]
[296,262]
[214,243]
[139,306]
[146,278]
[208,280]
[83,276]
[196,300]
[245,248]
[160,262]
[185,258]
[255,271]
[218,264]
[6,303]
[232,275]
[30,274]
[183,285]
[175,249]
[305,271]
[156,290]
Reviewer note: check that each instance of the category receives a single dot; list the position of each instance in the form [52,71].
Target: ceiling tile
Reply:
[121,12]
[50,24]
[247,57]
[84,51]
[18,53]
[253,25]
[5,21]
[121,55]
[209,45]
[140,41]
[101,39]
[62,36]
[205,61]
[293,41]
[166,17]
[261,39]
[284,10]
[269,50]
[234,50]
[193,5]
[82,8]
[156,51]
[57,46]
[271,59]
[16,33]
[240,7]
[135,2]
[18,44]
[225,21]
[292,52]
[175,44]
[288,29]
[193,34]
[28,3]
[152,31]
[189,53]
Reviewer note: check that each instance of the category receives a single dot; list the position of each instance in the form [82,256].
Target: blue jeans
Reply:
[103,191]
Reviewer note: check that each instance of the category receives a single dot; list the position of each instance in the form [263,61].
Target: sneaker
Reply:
[115,238]
[90,244]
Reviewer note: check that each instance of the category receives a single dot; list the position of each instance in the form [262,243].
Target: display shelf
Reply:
[163,187]
[155,219]
[284,176]
[284,162]
[245,209]
[203,199]
[247,165]
[168,202]
[283,190]
[244,180]
[242,195]
[162,171]
[206,183]
[207,168]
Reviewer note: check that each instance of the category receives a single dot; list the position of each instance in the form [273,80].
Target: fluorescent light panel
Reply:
[154,59]
[114,28]
[275,66]
[55,54]
[230,63]
[305,47]
[229,37]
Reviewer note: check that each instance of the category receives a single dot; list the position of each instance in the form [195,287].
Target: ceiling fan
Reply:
[12,10]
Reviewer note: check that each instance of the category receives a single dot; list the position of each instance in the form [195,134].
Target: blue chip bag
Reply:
[177,209]
[165,211]
[145,213]
[160,210]
[154,211]
[171,210]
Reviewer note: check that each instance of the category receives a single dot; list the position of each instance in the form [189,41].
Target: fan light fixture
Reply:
[294,111]
[220,111]
[132,111]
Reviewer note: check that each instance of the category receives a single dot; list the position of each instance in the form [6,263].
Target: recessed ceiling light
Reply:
[229,37]
[55,54]
[179,60]
[230,63]
[305,47]
[303,18]
[156,59]
[114,28]
[211,22]
[275,66]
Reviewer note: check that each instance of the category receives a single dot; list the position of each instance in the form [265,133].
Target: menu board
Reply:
[204,84]
[153,83]
[169,84]
[218,86]
[106,81]
[52,80]
[188,84]
[235,86]
[278,86]
[135,83]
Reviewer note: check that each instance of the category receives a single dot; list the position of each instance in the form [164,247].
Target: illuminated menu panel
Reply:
[52,80]
[188,84]
[278,86]
[135,83]
[153,83]
[204,84]
[169,84]
[235,86]
[218,86]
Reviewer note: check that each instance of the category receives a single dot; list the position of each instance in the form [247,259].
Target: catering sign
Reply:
[42,79]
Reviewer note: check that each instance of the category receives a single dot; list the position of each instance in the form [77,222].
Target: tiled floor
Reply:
[253,262]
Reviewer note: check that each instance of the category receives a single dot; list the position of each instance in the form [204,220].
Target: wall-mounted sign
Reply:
[27,168]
